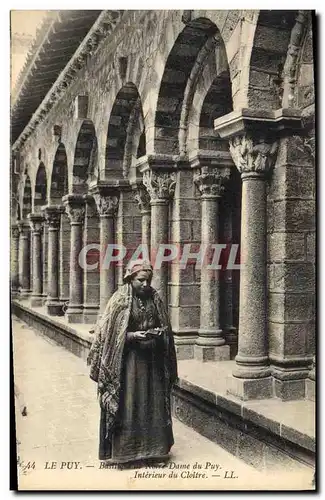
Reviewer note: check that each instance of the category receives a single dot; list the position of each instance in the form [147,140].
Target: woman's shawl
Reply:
[106,352]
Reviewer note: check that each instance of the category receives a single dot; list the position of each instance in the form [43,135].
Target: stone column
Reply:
[45,257]
[24,259]
[161,187]
[107,206]
[36,224]
[53,215]
[143,199]
[251,377]
[90,276]
[64,256]
[75,207]
[14,260]
[210,345]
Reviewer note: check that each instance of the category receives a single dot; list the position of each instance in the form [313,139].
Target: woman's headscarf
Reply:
[134,266]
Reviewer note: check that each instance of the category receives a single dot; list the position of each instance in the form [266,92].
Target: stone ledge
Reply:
[273,415]
[255,444]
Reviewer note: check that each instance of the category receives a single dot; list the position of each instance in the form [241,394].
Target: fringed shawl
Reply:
[106,352]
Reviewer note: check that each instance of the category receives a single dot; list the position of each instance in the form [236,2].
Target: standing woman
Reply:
[133,360]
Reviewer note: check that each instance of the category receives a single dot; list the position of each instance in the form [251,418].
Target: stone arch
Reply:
[207,97]
[125,140]
[85,158]
[268,56]
[27,198]
[40,195]
[179,65]
[59,179]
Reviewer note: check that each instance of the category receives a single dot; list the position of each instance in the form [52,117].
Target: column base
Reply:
[310,389]
[74,315]
[184,347]
[36,301]
[90,314]
[24,293]
[54,308]
[289,390]
[246,389]
[212,353]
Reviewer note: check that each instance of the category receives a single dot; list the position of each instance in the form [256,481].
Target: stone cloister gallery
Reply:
[162,127]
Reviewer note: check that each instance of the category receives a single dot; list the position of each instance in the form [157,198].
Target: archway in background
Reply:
[85,158]
[125,133]
[59,179]
[179,65]
[40,196]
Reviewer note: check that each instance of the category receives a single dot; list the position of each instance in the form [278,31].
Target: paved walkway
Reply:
[59,435]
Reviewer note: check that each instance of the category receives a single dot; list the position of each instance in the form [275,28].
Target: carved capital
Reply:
[211,180]
[106,204]
[24,228]
[53,216]
[160,185]
[75,208]
[36,223]
[253,155]
[142,198]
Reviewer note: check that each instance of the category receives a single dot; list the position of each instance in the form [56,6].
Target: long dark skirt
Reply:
[144,428]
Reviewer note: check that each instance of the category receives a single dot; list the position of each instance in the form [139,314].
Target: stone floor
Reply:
[59,435]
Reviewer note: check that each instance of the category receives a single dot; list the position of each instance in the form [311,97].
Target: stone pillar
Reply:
[24,259]
[251,377]
[64,256]
[253,138]
[143,199]
[45,258]
[210,345]
[107,207]
[160,186]
[14,260]
[75,207]
[91,276]
[53,215]
[36,224]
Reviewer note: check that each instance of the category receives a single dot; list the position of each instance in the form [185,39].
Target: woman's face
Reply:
[141,283]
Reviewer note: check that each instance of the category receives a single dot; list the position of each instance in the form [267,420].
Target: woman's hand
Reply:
[138,335]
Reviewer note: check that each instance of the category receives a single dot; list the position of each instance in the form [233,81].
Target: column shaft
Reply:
[107,274]
[53,215]
[76,212]
[24,259]
[14,260]
[37,277]
[210,345]
[159,236]
[90,276]
[252,343]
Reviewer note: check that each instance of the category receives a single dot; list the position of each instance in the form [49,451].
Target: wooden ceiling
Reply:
[56,42]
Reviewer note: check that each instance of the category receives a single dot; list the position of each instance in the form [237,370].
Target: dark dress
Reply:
[143,427]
